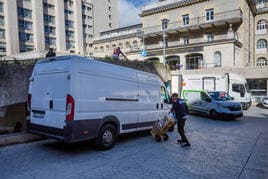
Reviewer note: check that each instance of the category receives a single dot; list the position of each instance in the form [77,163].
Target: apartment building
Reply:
[127,38]
[105,16]
[64,25]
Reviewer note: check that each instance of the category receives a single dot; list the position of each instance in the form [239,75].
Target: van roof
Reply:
[83,58]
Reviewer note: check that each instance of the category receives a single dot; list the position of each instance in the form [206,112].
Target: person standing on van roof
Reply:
[180,109]
[117,52]
[50,53]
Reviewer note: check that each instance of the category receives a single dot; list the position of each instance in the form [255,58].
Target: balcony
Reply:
[199,41]
[198,23]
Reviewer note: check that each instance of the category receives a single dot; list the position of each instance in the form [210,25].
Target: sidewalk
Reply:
[15,138]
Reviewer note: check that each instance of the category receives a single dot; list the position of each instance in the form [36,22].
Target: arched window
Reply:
[120,45]
[96,50]
[114,46]
[217,59]
[135,45]
[107,48]
[128,45]
[262,24]
[101,49]
[262,62]
[262,43]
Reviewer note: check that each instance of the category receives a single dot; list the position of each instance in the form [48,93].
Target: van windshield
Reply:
[219,96]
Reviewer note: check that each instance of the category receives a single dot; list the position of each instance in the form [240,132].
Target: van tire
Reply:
[107,137]
[214,115]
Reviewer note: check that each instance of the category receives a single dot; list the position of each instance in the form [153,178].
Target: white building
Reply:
[64,25]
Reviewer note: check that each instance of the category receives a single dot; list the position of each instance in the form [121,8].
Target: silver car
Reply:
[216,104]
[265,102]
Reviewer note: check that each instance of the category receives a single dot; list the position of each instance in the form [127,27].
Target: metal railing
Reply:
[200,20]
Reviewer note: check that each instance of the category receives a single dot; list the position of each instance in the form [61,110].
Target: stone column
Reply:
[60,25]
[78,25]
[38,25]
[11,26]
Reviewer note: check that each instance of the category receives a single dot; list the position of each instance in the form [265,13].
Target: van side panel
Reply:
[99,96]
[149,96]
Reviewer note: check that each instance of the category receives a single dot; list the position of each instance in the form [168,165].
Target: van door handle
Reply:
[162,105]
[50,104]
[157,105]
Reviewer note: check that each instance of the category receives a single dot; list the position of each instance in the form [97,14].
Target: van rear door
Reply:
[49,90]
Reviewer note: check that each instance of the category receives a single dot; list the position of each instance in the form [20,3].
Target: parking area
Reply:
[220,149]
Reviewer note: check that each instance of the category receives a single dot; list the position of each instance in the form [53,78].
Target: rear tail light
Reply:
[29,101]
[69,108]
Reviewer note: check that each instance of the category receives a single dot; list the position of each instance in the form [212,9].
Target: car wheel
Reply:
[107,137]
[214,115]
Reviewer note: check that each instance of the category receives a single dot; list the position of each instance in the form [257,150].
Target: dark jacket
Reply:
[180,108]
[50,54]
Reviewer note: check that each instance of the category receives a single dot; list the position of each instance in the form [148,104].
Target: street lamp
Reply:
[164,27]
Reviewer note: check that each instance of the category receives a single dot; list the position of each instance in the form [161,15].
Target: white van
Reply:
[233,84]
[74,98]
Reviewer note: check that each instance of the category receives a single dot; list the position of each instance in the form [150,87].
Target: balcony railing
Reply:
[193,41]
[228,16]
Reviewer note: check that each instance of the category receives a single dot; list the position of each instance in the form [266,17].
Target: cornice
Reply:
[167,7]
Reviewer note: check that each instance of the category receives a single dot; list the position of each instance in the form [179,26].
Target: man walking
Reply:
[180,109]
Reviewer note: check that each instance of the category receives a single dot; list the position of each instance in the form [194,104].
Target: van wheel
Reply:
[214,115]
[107,137]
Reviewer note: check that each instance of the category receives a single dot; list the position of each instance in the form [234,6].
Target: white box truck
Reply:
[233,84]
[74,98]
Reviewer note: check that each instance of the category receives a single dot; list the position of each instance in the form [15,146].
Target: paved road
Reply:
[220,149]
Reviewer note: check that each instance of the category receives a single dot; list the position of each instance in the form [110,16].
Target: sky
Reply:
[129,11]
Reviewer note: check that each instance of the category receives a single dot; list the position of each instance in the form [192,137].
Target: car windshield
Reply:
[219,96]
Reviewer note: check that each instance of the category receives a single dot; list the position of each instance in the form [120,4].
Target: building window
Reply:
[69,34]
[262,24]
[49,19]
[110,24]
[2,34]
[69,44]
[109,1]
[2,47]
[47,5]
[164,24]
[135,45]
[210,37]
[25,25]
[1,7]
[120,45]
[50,30]
[26,37]
[261,44]
[96,50]
[109,8]
[185,19]
[128,46]
[69,24]
[217,59]
[22,12]
[262,62]
[209,14]
[101,49]
[186,40]
[68,11]
[2,20]
[110,16]
[50,41]
[107,48]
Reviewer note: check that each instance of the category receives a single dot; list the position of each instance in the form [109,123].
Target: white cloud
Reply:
[129,14]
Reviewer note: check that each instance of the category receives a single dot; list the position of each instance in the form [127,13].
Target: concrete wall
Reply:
[14,83]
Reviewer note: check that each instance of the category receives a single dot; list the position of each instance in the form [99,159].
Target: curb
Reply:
[16,138]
